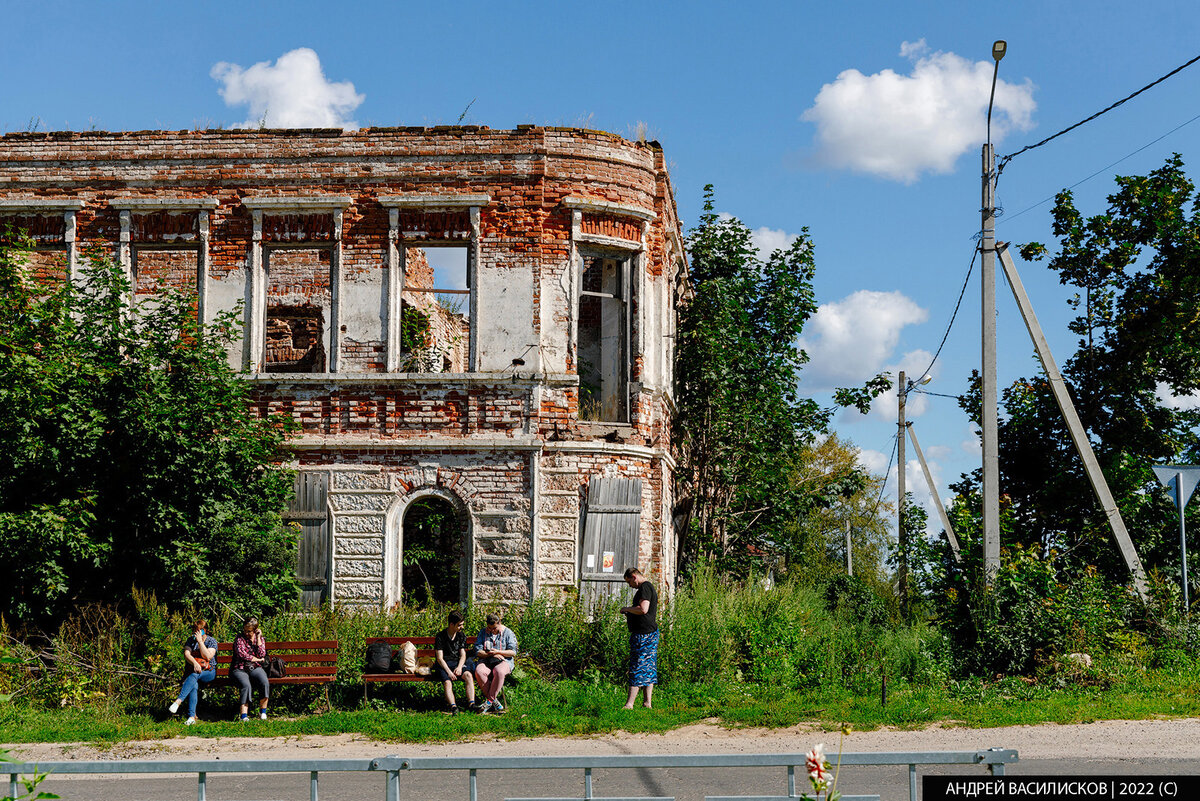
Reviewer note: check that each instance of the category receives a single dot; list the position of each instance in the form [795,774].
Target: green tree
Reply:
[740,420]
[839,494]
[1135,270]
[132,454]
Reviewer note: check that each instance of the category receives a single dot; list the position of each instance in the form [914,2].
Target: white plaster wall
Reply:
[504,319]
[363,309]
[223,294]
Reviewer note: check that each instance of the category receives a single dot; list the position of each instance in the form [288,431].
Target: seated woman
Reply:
[199,653]
[495,649]
[450,650]
[250,663]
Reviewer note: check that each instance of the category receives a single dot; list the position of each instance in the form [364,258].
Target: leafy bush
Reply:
[132,457]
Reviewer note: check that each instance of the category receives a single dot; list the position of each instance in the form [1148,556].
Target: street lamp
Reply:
[999,48]
[901,534]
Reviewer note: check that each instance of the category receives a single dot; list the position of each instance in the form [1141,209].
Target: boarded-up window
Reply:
[308,511]
[610,536]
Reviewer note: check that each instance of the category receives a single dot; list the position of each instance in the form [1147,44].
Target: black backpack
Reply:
[379,658]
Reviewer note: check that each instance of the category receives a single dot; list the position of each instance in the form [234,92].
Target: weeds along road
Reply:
[1170,747]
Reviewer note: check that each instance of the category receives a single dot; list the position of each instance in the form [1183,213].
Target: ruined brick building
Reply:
[473,321]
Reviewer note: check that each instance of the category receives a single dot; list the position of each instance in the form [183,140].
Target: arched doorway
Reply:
[434,564]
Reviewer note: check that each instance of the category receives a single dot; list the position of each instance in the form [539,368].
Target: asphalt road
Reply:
[690,784]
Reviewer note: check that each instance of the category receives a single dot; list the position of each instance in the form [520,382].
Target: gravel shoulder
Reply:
[1109,740]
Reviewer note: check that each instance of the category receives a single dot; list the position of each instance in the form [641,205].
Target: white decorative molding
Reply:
[608,207]
[13,205]
[148,204]
[433,201]
[440,444]
[314,204]
[629,245]
[494,380]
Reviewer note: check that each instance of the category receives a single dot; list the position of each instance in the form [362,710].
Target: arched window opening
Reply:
[434,565]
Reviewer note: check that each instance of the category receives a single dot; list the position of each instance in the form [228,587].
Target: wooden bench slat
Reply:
[225,659]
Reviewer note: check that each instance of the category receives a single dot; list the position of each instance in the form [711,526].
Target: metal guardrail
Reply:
[994,759]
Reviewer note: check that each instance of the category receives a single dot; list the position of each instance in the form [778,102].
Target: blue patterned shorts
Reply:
[643,659]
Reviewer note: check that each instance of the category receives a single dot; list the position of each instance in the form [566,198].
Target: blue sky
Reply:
[862,122]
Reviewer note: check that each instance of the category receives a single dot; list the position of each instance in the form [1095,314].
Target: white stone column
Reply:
[256,305]
[202,225]
[395,284]
[335,294]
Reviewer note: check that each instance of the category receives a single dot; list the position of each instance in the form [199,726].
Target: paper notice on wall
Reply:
[591,560]
[606,564]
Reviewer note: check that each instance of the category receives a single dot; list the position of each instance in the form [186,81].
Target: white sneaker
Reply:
[262,714]
[174,707]
[190,721]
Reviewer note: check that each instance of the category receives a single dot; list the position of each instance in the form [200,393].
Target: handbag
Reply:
[201,662]
[276,667]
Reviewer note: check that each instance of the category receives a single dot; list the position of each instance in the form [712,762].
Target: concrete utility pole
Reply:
[901,534]
[1083,446]
[849,552]
[937,499]
[987,417]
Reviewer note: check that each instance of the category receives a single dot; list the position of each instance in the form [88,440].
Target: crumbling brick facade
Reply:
[322,236]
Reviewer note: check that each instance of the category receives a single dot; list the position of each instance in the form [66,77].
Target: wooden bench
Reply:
[424,651]
[307,661]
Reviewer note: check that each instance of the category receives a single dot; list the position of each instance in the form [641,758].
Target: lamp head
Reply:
[999,47]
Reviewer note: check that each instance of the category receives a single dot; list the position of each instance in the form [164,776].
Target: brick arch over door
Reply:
[393,543]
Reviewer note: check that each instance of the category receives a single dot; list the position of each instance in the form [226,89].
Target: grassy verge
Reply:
[566,708]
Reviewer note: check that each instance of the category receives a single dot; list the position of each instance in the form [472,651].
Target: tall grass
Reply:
[715,631]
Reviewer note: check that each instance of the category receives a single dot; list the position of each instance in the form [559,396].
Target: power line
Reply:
[1004,161]
[1105,169]
[887,471]
[961,293]
[938,394]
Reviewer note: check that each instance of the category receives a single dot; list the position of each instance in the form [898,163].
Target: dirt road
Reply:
[1102,740]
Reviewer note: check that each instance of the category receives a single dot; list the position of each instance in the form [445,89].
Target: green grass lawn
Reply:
[539,708]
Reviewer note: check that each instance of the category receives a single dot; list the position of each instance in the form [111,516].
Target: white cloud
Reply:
[900,126]
[848,341]
[938,452]
[292,93]
[769,240]
[766,240]
[916,404]
[1179,403]
[875,462]
[972,445]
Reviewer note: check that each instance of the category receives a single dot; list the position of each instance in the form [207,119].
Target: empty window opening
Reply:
[434,564]
[294,340]
[296,330]
[603,341]
[435,322]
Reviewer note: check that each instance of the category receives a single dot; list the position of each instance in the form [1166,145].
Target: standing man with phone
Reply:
[642,618]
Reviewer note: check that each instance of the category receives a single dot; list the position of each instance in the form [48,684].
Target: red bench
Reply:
[307,661]
[424,651]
